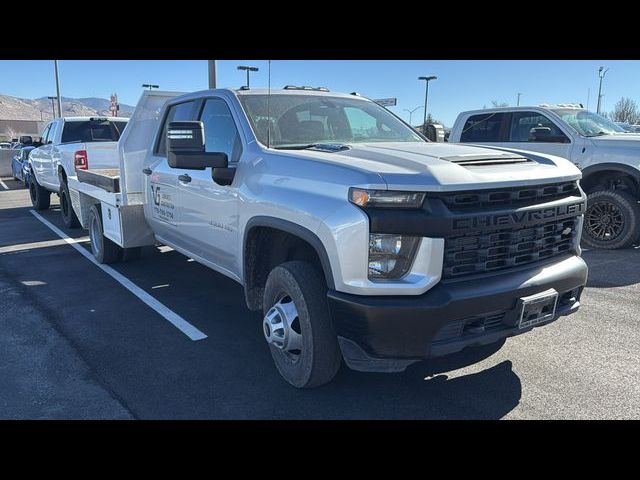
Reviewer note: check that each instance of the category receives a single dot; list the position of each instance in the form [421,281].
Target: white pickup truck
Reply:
[608,156]
[69,144]
[357,238]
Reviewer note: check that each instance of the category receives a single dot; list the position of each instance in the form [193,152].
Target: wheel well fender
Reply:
[285,241]
[610,172]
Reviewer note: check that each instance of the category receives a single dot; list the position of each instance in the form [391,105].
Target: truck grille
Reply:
[498,249]
[508,197]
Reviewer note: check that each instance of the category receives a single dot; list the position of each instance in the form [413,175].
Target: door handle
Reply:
[147,171]
[184,178]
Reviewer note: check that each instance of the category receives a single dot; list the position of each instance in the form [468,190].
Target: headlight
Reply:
[385,198]
[390,256]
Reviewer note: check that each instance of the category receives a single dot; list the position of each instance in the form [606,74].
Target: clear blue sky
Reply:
[461,84]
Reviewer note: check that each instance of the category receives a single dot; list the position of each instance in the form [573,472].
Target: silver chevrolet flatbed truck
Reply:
[356,237]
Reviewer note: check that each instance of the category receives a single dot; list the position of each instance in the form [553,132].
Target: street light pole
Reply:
[53,107]
[601,73]
[411,113]
[518,102]
[426,98]
[150,86]
[212,74]
[55,62]
[248,69]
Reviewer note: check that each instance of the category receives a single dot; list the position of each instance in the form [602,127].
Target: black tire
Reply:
[103,249]
[320,358]
[40,196]
[612,220]
[66,208]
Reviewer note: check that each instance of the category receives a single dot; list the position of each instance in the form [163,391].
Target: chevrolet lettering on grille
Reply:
[517,218]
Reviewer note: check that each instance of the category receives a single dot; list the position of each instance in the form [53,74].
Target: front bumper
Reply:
[389,333]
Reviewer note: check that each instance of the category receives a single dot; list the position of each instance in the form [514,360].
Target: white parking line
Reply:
[4,185]
[34,245]
[176,320]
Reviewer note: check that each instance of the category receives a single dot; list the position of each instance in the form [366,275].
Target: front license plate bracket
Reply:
[538,308]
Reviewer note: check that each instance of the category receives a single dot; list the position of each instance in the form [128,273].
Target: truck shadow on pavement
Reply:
[156,372]
[249,386]
[612,268]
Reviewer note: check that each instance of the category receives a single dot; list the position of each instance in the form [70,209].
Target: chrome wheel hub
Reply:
[281,327]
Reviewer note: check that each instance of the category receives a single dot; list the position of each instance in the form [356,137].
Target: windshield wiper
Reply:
[295,147]
[327,147]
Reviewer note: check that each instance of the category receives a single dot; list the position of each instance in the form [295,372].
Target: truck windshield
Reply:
[297,121]
[92,131]
[588,123]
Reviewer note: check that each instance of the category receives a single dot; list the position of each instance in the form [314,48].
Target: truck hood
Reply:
[444,166]
[623,140]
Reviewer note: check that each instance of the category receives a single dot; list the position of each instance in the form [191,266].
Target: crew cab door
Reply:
[162,203]
[520,134]
[209,216]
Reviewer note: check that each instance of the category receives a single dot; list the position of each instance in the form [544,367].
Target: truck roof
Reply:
[524,108]
[84,119]
[278,91]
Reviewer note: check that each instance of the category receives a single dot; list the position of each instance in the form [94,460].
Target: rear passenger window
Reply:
[177,113]
[482,128]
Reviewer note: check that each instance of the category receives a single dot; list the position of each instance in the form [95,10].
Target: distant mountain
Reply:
[14,108]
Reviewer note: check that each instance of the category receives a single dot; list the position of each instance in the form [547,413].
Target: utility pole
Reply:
[55,63]
[426,98]
[601,73]
[212,74]
[518,102]
[150,86]
[248,69]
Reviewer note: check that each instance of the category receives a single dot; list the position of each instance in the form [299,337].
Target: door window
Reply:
[483,128]
[45,134]
[179,112]
[220,132]
[523,122]
[52,132]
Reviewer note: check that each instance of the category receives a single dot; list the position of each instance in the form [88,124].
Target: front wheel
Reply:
[612,220]
[298,327]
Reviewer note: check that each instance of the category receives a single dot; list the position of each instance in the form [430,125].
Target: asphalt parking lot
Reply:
[76,344]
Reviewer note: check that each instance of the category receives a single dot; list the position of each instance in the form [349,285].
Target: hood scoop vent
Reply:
[330,147]
[486,160]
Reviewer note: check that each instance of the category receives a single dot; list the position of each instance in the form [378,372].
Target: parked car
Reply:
[20,164]
[607,157]
[69,144]
[5,145]
[357,238]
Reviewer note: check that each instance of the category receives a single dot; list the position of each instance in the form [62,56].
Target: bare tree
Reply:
[496,104]
[626,110]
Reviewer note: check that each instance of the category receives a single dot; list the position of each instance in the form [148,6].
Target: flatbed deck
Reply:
[106,179]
